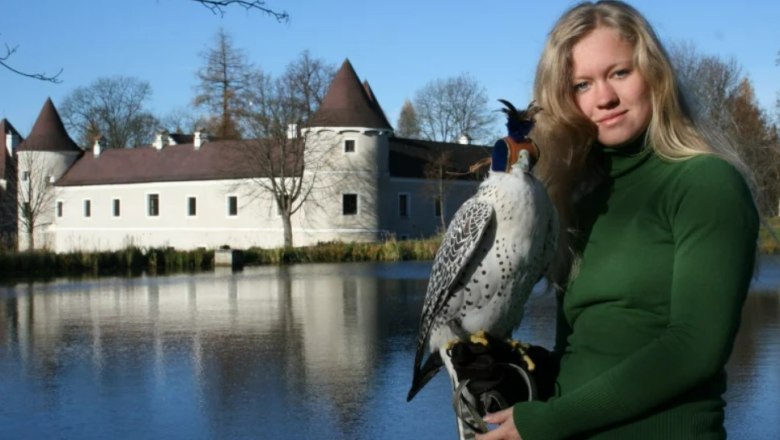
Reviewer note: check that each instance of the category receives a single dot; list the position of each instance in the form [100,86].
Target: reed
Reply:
[339,251]
[128,261]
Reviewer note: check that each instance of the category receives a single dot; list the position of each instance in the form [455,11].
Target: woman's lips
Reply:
[611,118]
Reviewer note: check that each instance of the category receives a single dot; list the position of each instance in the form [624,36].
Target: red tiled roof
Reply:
[213,161]
[226,159]
[48,133]
[375,103]
[346,104]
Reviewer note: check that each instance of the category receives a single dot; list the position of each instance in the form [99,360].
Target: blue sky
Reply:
[398,46]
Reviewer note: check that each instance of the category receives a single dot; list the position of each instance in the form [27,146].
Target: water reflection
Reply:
[314,351]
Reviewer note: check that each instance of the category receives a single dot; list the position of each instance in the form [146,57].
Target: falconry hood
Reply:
[508,150]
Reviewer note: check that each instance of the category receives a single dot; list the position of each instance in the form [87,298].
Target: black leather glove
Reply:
[495,376]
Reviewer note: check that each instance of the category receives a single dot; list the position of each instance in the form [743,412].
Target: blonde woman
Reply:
[661,239]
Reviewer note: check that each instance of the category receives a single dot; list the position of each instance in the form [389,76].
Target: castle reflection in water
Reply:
[309,351]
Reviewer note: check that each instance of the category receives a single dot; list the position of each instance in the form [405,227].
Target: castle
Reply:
[362,183]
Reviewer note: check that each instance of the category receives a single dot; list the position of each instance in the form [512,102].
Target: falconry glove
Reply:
[496,375]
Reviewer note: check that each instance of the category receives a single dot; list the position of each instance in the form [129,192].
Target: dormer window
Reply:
[349,146]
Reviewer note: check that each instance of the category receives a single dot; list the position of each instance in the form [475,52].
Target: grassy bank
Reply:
[126,262]
[390,250]
[135,261]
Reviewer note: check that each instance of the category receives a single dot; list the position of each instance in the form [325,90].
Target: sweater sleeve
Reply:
[714,225]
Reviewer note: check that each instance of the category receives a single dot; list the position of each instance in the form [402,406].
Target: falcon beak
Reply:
[513,152]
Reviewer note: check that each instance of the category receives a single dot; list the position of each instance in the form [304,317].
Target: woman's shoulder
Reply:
[708,177]
[705,170]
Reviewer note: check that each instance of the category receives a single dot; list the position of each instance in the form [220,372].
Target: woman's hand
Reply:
[506,429]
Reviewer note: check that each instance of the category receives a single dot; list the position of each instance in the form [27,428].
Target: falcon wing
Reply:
[461,240]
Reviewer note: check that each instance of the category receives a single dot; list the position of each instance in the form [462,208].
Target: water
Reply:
[305,352]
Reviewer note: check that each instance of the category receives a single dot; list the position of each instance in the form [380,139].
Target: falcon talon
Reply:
[529,364]
[522,348]
[480,338]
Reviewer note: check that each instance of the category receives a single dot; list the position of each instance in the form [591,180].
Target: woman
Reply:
[664,241]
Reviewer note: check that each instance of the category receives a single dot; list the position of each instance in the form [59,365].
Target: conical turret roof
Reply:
[6,158]
[5,129]
[347,104]
[375,103]
[48,133]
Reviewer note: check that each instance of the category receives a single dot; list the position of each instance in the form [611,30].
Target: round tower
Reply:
[42,159]
[347,146]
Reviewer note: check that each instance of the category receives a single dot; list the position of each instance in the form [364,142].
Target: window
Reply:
[437,206]
[59,209]
[285,199]
[232,206]
[116,208]
[192,206]
[349,205]
[87,208]
[153,205]
[25,176]
[349,146]
[403,205]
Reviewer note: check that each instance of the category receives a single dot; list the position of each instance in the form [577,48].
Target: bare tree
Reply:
[218,7]
[408,124]
[9,51]
[182,120]
[449,108]
[711,81]
[726,99]
[286,166]
[113,108]
[437,171]
[777,102]
[304,83]
[758,145]
[35,196]
[223,85]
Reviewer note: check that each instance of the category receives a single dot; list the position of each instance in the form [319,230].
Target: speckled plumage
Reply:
[495,250]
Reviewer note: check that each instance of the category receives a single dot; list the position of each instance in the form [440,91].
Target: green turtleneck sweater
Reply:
[649,320]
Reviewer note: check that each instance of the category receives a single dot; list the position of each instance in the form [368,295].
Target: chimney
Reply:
[11,142]
[200,137]
[464,139]
[160,139]
[97,147]
[292,131]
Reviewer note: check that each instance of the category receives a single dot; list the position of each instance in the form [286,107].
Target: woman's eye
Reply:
[581,87]
[622,73]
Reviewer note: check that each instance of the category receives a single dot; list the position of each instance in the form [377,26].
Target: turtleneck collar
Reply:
[623,160]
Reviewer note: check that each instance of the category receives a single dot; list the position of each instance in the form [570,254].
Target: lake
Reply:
[301,352]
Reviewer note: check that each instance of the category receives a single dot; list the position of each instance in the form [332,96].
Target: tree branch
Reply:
[9,51]
[218,7]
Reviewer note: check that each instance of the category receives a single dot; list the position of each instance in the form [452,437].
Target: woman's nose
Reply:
[606,96]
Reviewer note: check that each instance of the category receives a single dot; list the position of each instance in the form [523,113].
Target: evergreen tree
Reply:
[408,126]
[224,81]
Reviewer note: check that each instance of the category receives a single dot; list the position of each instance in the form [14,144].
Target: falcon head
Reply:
[516,148]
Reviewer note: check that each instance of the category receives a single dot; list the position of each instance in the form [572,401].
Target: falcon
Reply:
[496,248]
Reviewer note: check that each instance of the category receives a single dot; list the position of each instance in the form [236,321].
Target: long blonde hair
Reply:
[566,135]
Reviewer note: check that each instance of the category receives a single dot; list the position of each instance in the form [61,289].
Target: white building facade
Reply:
[369,185]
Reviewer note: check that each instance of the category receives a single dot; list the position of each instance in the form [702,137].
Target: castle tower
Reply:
[9,142]
[42,159]
[350,133]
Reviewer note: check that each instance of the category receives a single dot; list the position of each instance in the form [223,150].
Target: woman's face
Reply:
[608,89]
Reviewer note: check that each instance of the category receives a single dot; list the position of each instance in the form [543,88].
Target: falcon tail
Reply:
[424,374]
